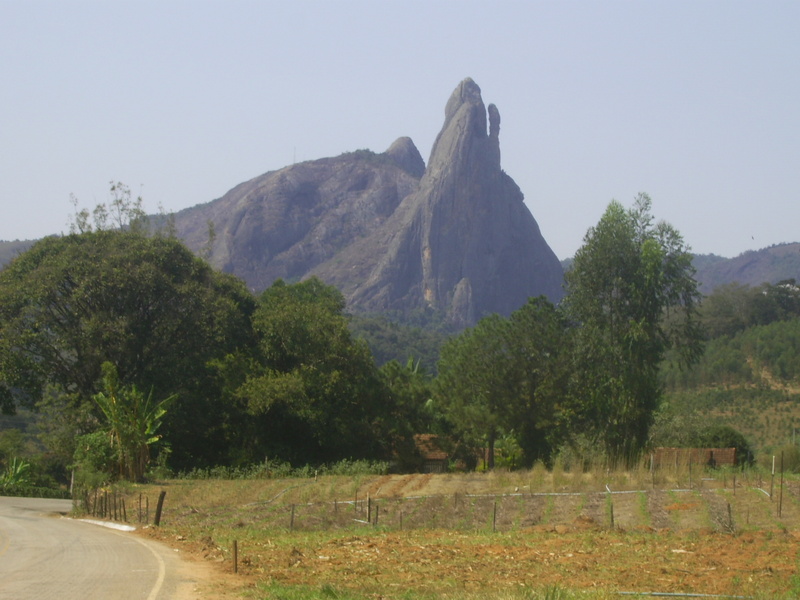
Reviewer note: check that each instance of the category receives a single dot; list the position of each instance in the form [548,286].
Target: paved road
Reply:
[43,556]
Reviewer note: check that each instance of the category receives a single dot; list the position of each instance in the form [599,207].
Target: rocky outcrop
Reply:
[285,223]
[387,231]
[464,242]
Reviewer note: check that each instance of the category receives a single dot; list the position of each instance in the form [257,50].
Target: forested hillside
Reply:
[749,375]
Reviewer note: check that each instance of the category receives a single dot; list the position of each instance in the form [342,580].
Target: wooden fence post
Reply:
[730,518]
[235,556]
[772,480]
[159,508]
[780,496]
[494,517]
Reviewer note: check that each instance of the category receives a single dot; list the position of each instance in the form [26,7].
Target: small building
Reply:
[434,459]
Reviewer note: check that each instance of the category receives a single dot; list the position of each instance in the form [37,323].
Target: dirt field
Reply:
[447,535]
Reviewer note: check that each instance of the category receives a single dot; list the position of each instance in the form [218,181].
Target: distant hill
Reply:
[754,267]
[8,250]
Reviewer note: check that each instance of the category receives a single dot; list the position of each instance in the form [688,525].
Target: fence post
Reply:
[780,496]
[235,556]
[772,479]
[291,520]
[159,507]
[494,517]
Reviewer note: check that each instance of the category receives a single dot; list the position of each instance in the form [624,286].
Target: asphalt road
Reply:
[44,555]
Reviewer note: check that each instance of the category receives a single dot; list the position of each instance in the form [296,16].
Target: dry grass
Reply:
[526,534]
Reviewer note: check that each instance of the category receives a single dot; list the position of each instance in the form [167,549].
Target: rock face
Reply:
[285,223]
[388,232]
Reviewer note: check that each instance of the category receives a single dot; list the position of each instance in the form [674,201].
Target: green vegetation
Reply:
[131,422]
[234,384]
[748,377]
[631,291]
[506,378]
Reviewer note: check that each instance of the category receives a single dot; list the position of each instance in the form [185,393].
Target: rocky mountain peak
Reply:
[464,243]
[463,142]
[389,232]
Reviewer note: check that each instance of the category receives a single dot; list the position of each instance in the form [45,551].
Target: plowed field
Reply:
[491,535]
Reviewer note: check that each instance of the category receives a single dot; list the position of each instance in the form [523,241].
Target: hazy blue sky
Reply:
[696,103]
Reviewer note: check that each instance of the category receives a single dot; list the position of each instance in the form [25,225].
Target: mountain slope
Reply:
[768,265]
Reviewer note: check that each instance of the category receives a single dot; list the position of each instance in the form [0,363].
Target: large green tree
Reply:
[508,378]
[145,304]
[313,390]
[631,291]
[539,339]
[475,388]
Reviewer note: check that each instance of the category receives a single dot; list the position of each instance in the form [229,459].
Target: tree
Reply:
[474,388]
[631,291]
[539,339]
[408,389]
[145,304]
[728,309]
[508,378]
[312,389]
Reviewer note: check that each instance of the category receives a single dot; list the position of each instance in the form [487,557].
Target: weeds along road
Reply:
[43,556]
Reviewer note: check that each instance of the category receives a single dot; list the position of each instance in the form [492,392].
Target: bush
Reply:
[724,436]
[94,461]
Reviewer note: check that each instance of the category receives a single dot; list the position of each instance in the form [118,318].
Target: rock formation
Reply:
[389,232]
[464,242]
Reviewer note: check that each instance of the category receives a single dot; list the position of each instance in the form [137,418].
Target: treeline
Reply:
[746,378]
[135,354]
[753,338]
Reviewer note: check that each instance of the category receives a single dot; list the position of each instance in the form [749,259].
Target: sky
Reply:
[696,103]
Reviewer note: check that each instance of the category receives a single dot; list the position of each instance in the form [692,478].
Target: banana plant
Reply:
[132,421]
[15,474]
